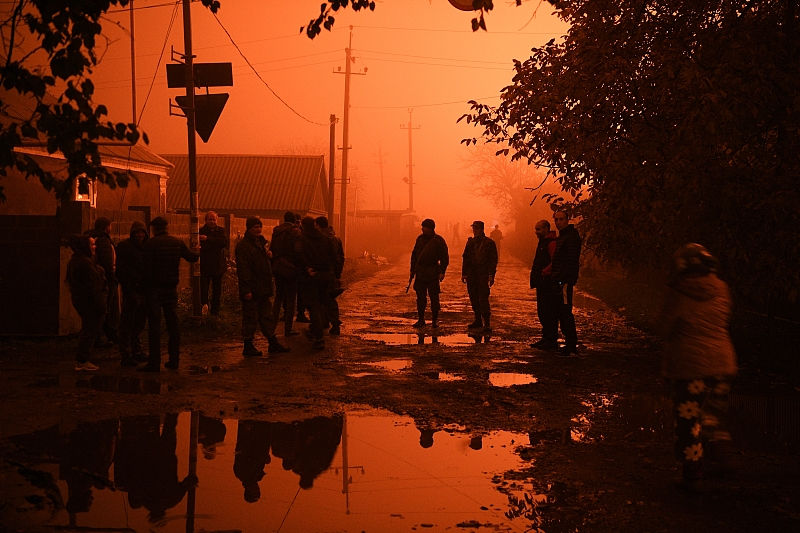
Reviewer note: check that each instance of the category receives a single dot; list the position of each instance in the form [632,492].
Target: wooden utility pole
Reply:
[194,220]
[383,188]
[331,169]
[346,134]
[409,127]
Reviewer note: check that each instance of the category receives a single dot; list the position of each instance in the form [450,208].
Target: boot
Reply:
[476,324]
[421,322]
[275,346]
[434,319]
[249,349]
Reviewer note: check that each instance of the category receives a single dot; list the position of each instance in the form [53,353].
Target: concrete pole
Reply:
[345,141]
[194,219]
[331,169]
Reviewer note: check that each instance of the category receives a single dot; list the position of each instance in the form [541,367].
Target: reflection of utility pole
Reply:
[191,495]
[346,132]
[409,127]
[346,479]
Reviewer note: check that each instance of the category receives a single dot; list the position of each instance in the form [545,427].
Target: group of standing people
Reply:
[553,275]
[303,262]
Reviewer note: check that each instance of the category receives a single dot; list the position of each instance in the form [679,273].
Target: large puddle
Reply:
[397,339]
[350,472]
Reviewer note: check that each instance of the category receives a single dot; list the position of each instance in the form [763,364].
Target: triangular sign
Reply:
[208,108]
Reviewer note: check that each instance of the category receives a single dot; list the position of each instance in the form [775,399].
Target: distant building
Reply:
[239,186]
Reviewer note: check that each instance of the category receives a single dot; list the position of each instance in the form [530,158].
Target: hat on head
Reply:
[159,223]
[252,221]
[428,223]
[477,224]
[694,258]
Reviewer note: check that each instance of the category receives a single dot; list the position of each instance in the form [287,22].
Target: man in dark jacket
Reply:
[162,257]
[429,260]
[285,249]
[331,305]
[255,288]
[317,276]
[541,279]
[106,257]
[478,268]
[130,273]
[566,261]
[213,263]
[87,285]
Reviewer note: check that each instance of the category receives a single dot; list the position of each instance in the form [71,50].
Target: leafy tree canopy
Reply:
[678,121]
[56,108]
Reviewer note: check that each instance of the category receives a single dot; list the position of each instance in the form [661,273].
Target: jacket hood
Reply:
[700,288]
[138,226]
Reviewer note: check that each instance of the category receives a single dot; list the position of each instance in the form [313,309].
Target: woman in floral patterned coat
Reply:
[699,359]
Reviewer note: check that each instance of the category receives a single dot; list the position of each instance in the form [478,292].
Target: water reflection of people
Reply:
[426,431]
[251,456]
[210,432]
[86,458]
[146,465]
[478,338]
[307,447]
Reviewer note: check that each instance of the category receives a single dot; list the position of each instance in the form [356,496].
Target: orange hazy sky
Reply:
[419,54]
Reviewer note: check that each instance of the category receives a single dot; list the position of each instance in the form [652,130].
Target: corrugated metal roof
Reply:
[248,184]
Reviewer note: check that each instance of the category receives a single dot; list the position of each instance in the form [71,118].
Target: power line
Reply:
[158,65]
[442,30]
[432,57]
[259,75]
[474,67]
[464,101]
[126,9]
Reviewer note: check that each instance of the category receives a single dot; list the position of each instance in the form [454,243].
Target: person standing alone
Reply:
[213,262]
[478,268]
[131,274]
[429,261]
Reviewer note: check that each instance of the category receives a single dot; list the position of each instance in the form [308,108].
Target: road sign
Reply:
[205,75]
[208,108]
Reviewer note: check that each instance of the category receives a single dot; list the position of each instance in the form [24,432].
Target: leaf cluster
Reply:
[679,119]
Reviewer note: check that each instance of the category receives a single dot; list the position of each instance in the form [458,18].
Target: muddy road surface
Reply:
[388,428]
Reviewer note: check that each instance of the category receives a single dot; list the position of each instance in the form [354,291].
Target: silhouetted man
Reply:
[89,292]
[429,261]
[547,294]
[106,257]
[251,456]
[285,249]
[213,262]
[317,277]
[255,289]
[131,274]
[331,305]
[566,262]
[162,257]
[478,268]
[496,235]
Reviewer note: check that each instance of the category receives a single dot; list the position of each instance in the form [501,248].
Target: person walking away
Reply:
[547,301]
[478,269]
[131,274]
[302,307]
[285,250]
[213,263]
[699,359]
[162,257]
[255,289]
[317,277]
[89,291]
[331,306]
[429,261]
[496,235]
[106,257]
[565,265]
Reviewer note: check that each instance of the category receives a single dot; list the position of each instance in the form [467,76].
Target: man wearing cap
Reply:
[478,268]
[255,289]
[429,261]
[566,261]
[162,256]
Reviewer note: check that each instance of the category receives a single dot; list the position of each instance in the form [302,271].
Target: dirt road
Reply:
[590,436]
